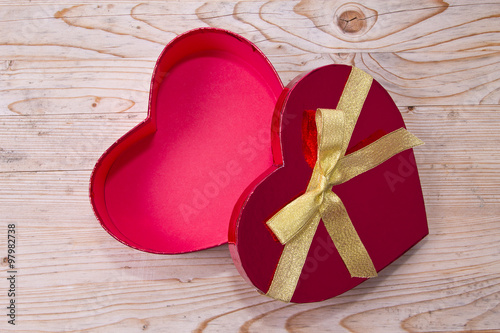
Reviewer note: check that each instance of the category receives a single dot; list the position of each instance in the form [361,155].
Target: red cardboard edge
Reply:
[277,152]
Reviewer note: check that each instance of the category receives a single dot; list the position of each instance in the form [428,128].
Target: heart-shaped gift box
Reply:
[383,210]
[170,184]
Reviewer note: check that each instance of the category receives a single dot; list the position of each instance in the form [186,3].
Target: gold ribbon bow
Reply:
[295,225]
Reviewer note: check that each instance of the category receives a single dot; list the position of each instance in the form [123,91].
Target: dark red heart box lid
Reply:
[170,184]
[385,204]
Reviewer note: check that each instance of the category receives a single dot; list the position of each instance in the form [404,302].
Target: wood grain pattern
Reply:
[100,86]
[74,77]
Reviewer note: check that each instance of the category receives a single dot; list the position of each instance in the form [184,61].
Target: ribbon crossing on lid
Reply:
[295,224]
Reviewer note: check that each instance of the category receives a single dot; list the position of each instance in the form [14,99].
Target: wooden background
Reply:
[74,77]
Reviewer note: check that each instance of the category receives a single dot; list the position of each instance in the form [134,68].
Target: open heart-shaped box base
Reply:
[170,184]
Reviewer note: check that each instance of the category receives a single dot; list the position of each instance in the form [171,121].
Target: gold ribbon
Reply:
[295,225]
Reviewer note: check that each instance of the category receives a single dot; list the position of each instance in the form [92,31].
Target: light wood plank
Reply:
[130,29]
[463,136]
[100,86]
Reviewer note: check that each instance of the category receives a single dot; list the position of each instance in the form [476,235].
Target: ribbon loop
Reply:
[287,223]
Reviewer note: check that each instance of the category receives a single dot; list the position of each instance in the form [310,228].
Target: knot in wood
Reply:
[351,21]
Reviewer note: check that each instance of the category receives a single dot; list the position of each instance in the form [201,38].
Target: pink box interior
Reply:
[170,184]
